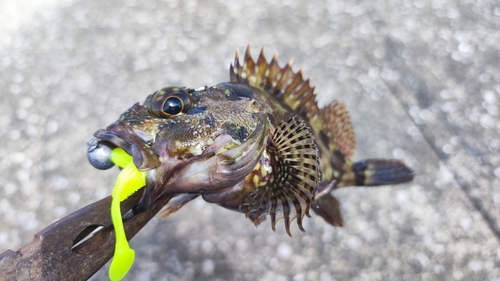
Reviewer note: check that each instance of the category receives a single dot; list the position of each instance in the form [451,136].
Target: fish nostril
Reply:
[99,155]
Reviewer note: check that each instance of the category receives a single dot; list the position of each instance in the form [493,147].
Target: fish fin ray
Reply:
[331,123]
[295,176]
[335,135]
[338,128]
[283,83]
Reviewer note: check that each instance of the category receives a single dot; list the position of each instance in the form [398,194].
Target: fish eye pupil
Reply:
[172,106]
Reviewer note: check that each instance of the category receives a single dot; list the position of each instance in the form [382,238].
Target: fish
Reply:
[257,144]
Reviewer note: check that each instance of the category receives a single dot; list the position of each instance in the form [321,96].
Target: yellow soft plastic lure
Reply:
[127,183]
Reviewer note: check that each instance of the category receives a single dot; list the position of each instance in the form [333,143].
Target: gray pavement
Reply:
[421,80]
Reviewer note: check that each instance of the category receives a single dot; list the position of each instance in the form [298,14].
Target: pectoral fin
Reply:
[295,175]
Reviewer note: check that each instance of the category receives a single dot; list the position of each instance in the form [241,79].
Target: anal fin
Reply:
[328,207]
[290,192]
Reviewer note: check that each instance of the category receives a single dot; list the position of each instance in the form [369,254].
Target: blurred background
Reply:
[421,80]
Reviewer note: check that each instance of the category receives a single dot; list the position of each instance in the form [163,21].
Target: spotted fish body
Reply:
[258,144]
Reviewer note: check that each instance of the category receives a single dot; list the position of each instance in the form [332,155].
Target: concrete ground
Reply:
[421,80]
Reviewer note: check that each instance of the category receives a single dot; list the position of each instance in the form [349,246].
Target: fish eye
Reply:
[170,102]
[173,105]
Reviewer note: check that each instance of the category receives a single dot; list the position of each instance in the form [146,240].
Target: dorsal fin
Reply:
[283,83]
[331,124]
[340,131]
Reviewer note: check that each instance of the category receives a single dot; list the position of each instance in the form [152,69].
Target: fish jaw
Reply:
[132,140]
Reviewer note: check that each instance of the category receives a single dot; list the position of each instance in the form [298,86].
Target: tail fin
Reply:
[373,172]
[369,172]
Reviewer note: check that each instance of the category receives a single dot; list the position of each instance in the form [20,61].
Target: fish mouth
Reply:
[135,142]
[222,165]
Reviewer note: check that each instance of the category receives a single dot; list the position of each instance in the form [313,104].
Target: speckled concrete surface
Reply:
[421,80]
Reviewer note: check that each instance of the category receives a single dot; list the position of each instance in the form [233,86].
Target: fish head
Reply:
[187,140]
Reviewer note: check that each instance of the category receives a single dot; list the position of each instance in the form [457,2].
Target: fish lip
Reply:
[120,135]
[115,138]
[134,142]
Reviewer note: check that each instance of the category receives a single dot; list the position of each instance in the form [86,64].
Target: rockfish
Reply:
[258,144]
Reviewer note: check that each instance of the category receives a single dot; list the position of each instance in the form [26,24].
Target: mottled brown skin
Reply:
[221,116]
[233,198]
[251,145]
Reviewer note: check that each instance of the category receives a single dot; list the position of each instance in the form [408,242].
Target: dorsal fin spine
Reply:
[261,63]
[296,81]
[301,88]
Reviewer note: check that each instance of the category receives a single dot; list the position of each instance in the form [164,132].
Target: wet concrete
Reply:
[421,80]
